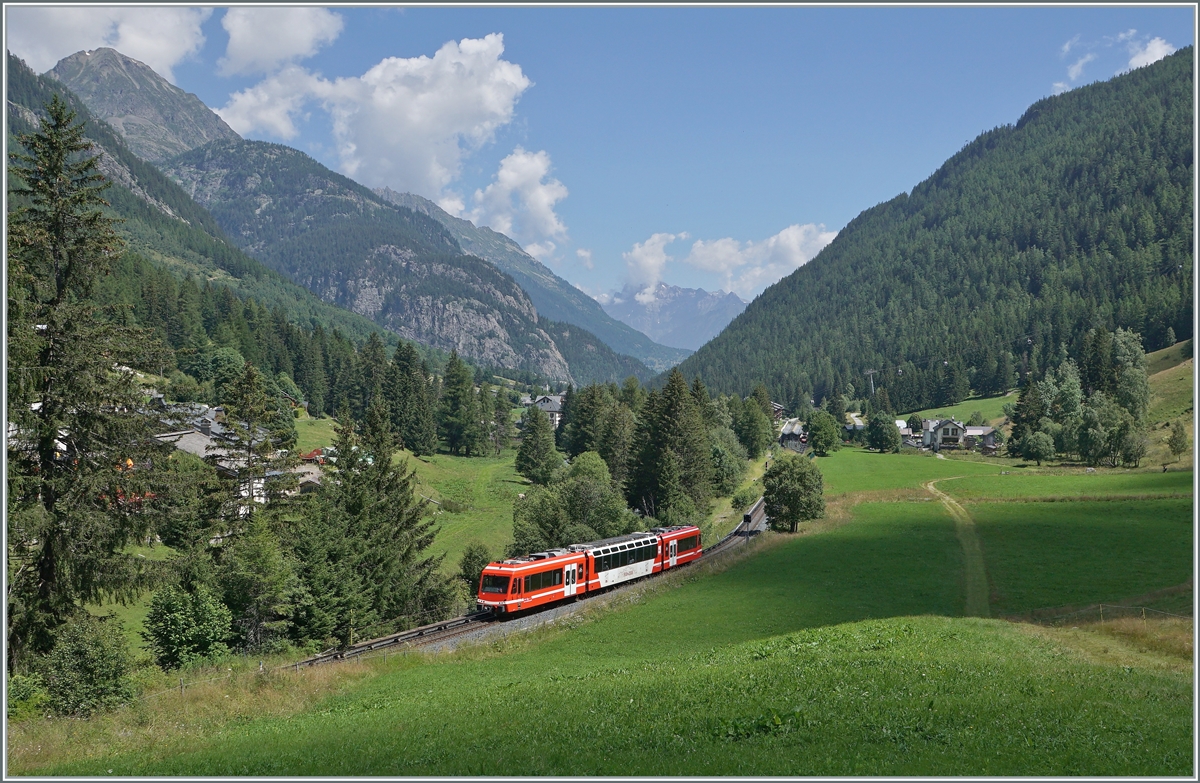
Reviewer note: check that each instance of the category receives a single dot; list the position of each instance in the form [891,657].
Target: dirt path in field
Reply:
[976,571]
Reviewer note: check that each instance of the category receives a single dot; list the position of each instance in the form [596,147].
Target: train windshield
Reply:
[495,584]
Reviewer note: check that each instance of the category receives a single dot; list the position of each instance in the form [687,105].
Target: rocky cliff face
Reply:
[343,242]
[157,119]
[681,317]
[554,297]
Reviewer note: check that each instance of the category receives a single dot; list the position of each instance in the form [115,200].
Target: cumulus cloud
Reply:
[264,38]
[1061,87]
[161,37]
[407,122]
[646,261]
[273,104]
[748,267]
[585,258]
[1076,69]
[1148,52]
[520,202]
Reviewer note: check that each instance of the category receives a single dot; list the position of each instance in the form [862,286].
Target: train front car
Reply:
[521,583]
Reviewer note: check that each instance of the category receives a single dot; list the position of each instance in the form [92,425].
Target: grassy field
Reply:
[1055,554]
[313,433]
[1073,483]
[1171,392]
[992,409]
[1160,360]
[841,651]
[831,654]
[855,469]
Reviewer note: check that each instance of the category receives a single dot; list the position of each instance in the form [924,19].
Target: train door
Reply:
[569,580]
[674,551]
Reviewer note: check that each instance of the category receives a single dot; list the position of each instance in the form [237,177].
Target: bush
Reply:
[89,667]
[182,627]
[744,498]
[26,695]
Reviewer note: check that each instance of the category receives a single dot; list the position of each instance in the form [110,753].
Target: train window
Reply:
[495,584]
[558,577]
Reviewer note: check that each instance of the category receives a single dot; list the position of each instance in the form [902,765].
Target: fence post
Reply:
[181,687]
[1143,617]
[1101,612]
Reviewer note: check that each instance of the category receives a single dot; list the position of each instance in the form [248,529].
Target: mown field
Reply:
[841,652]
[992,409]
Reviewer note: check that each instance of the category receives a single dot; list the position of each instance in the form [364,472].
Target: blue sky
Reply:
[714,147]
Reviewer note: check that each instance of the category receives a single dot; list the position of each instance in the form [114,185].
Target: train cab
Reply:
[680,545]
[522,583]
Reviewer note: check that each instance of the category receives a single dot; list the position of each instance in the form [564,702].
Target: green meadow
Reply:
[992,409]
[838,652]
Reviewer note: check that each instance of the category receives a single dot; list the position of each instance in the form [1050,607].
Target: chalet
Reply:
[982,437]
[793,436]
[943,434]
[776,411]
[552,405]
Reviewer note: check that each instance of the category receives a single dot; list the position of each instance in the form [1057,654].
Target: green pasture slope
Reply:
[838,653]
[992,409]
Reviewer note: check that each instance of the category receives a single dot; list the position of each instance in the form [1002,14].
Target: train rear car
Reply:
[680,545]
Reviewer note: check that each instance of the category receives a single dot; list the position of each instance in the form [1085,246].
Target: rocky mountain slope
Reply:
[338,239]
[554,297]
[681,317]
[161,222]
[157,119]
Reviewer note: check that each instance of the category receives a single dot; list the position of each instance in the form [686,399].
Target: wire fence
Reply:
[1102,613]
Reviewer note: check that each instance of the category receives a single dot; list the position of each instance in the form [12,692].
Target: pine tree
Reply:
[459,410]
[537,459]
[81,457]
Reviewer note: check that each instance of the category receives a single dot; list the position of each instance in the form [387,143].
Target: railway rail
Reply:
[754,521]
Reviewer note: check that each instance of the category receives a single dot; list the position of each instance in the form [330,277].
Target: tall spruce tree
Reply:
[459,411]
[82,460]
[537,459]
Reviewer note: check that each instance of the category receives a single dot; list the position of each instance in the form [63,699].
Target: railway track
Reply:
[754,521]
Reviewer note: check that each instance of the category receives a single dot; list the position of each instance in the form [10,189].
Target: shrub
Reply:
[182,626]
[744,498]
[89,667]
[26,694]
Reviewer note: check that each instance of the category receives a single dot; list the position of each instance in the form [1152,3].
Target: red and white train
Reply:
[522,583]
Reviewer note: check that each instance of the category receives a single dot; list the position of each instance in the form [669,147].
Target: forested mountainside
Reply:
[338,239]
[590,360]
[157,119]
[553,297]
[1079,216]
[682,317]
[163,223]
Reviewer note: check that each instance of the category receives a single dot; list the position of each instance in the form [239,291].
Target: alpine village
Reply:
[305,478]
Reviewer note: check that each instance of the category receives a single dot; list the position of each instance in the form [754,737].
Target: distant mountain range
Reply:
[554,297]
[393,265]
[679,317]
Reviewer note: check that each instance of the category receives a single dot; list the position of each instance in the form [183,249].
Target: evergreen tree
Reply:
[537,459]
[81,454]
[459,411]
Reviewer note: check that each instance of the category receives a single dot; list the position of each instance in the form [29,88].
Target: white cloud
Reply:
[407,122]
[1125,36]
[273,104]
[520,202]
[1061,87]
[262,39]
[585,258]
[1067,46]
[749,267]
[646,261]
[1076,69]
[161,37]
[1149,52]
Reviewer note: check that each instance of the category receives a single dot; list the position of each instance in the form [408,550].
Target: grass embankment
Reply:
[837,653]
[992,409]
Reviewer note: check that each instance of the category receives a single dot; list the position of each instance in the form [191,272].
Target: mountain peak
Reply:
[157,119]
[680,317]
